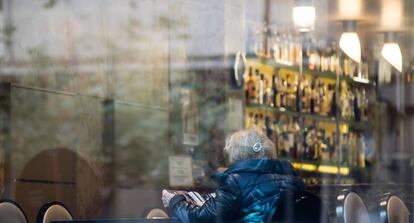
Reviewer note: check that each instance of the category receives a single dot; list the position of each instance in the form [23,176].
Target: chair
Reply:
[350,208]
[301,207]
[72,180]
[157,213]
[53,211]
[391,209]
[11,212]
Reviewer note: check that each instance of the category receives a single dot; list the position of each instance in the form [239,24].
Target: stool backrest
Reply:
[397,211]
[157,213]
[54,211]
[355,210]
[10,212]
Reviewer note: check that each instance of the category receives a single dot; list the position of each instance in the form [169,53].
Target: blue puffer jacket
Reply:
[249,191]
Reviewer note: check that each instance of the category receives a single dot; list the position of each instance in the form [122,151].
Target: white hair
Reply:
[249,144]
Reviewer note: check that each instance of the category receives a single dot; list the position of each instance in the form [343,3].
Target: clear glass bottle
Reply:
[261,89]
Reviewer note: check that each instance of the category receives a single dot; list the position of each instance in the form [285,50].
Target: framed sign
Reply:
[181,171]
[190,117]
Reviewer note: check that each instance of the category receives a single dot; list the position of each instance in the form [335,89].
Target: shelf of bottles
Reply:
[319,122]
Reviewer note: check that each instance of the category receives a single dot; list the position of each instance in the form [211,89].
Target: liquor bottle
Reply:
[268,127]
[268,94]
[261,89]
[320,147]
[351,97]
[285,139]
[250,89]
[285,50]
[330,61]
[288,95]
[249,121]
[332,109]
[344,152]
[325,145]
[364,70]
[305,97]
[362,149]
[275,91]
[331,146]
[310,139]
[291,53]
[292,88]
[261,123]
[335,63]
[345,67]
[256,121]
[344,97]
[306,53]
[257,74]
[276,130]
[312,60]
[298,98]
[357,106]
[298,50]
[322,98]
[364,105]
[295,128]
[290,140]
[324,60]
[277,47]
[283,87]
[353,149]
[312,98]
[317,59]
[267,47]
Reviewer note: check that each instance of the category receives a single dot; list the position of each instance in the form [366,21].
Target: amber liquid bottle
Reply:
[250,89]
[312,98]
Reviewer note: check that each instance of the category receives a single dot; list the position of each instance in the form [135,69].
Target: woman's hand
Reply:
[167,196]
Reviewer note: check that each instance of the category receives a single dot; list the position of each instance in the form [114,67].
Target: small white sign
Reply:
[181,171]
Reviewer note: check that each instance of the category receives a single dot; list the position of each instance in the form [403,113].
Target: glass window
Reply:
[103,104]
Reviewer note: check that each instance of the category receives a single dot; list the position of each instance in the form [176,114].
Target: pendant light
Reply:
[349,42]
[304,15]
[391,51]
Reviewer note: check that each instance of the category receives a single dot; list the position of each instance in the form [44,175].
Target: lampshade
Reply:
[350,45]
[304,18]
[350,9]
[391,14]
[392,53]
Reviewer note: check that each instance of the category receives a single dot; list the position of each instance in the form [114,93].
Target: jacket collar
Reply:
[258,166]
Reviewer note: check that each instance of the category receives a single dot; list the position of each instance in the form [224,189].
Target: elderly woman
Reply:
[249,190]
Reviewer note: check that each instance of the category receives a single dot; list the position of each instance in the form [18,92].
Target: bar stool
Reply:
[157,213]
[350,208]
[53,211]
[391,209]
[11,212]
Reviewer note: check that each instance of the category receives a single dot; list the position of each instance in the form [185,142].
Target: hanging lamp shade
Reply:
[304,15]
[392,53]
[349,42]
